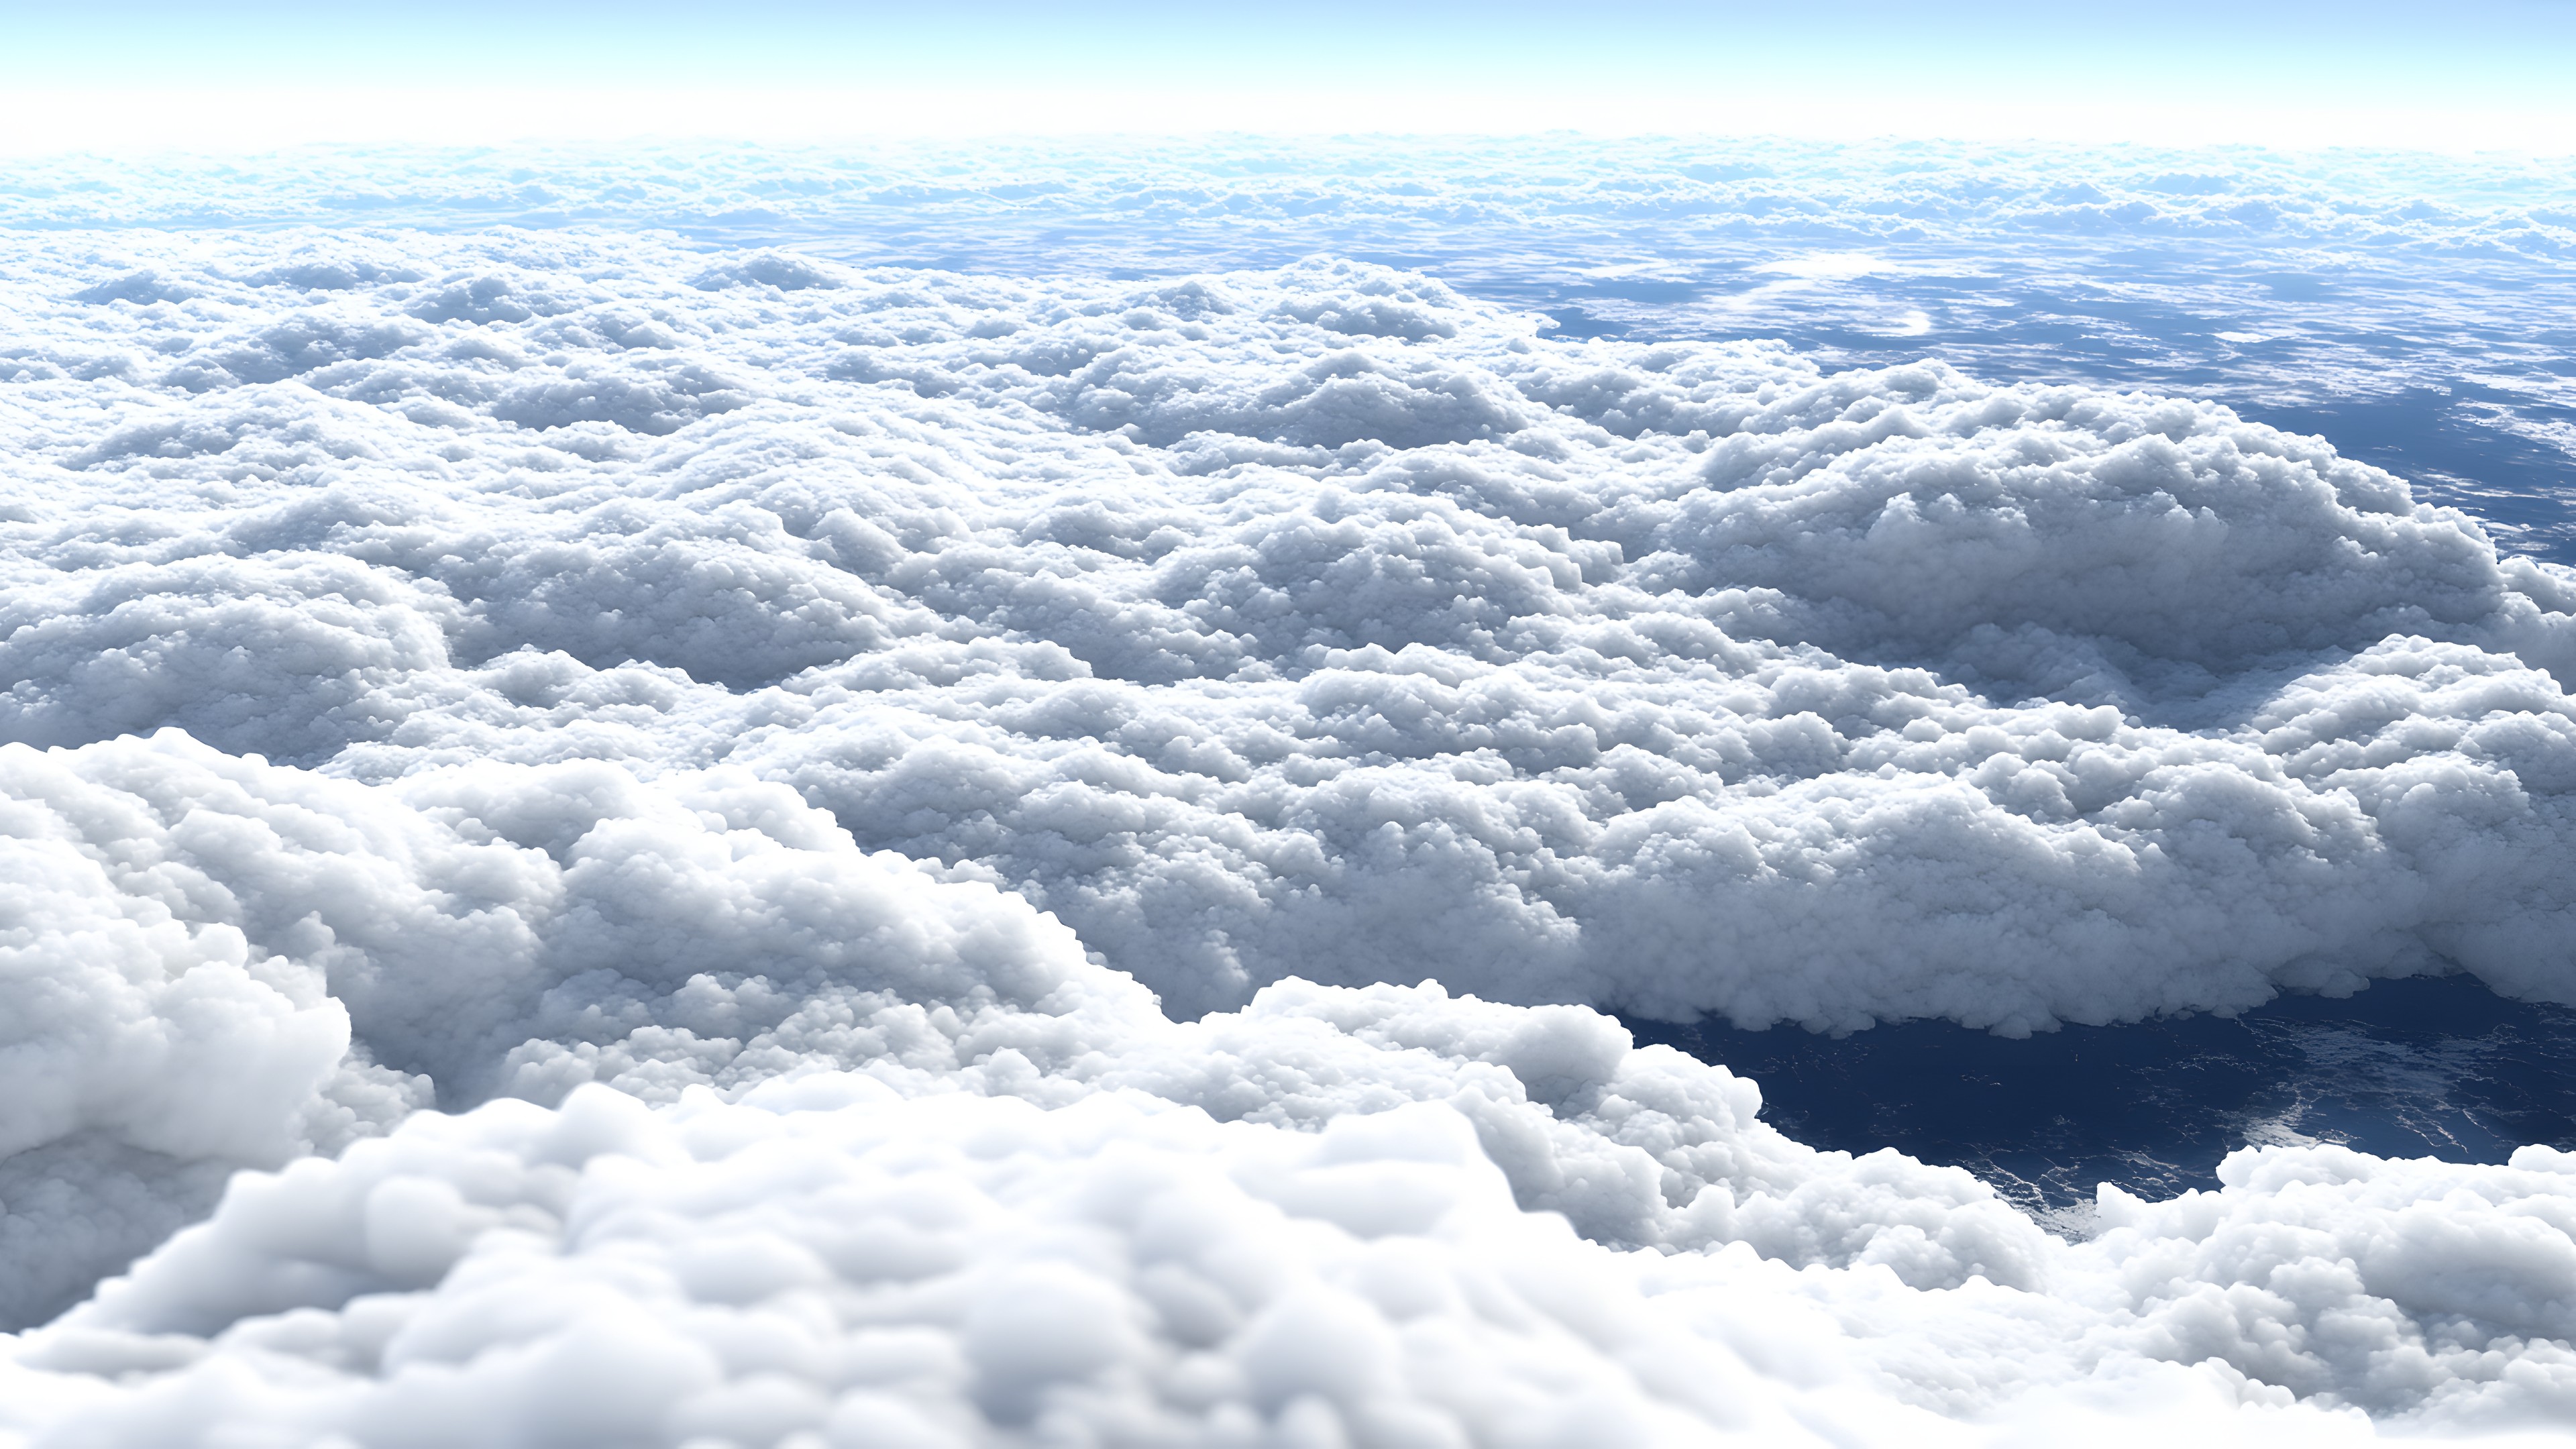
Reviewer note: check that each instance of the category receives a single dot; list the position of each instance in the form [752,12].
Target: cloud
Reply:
[1325,623]
[898,823]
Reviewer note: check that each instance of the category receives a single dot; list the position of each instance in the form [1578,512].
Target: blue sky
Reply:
[2469,74]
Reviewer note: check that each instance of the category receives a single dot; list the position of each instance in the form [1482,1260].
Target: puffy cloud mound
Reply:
[890,1157]
[961,1185]
[241,963]
[892,815]
[1318,622]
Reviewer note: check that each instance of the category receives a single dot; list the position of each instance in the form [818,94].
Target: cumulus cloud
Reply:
[1326,623]
[2298,282]
[898,818]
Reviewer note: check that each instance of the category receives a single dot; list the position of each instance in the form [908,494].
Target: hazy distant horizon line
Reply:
[211,121]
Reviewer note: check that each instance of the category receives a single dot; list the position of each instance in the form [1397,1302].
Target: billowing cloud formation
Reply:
[924,1170]
[1323,623]
[2431,291]
[448,671]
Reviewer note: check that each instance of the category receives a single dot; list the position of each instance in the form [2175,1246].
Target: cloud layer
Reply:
[2411,307]
[1322,622]
[767,747]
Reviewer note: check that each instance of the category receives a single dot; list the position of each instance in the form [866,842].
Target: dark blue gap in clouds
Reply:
[2525,492]
[2420,1067]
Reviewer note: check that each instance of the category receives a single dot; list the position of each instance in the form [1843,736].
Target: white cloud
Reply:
[696,680]
[2053,263]
[1323,623]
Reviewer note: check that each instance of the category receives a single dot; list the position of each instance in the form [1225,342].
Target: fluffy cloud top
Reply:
[922,1172]
[896,815]
[2434,288]
[1324,623]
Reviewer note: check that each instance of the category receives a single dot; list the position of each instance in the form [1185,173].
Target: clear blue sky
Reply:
[1807,66]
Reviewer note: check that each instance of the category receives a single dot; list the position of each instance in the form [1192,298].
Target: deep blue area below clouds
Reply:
[2420,1067]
